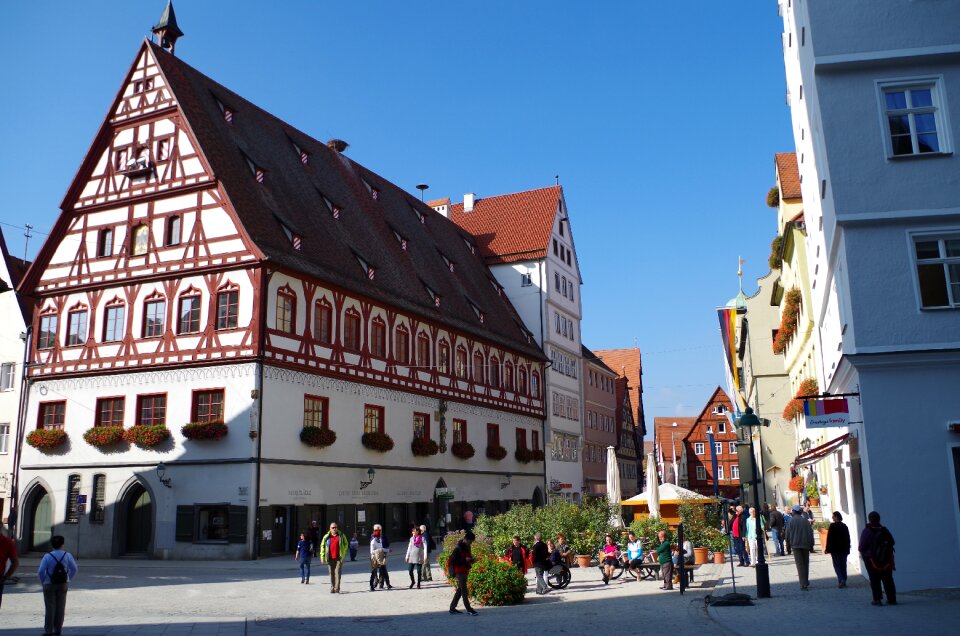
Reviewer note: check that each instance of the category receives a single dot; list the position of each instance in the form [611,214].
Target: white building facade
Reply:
[874,91]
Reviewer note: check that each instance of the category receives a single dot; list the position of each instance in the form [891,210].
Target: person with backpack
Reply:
[838,547]
[876,548]
[458,566]
[57,569]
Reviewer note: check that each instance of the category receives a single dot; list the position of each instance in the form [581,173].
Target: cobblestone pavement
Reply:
[266,598]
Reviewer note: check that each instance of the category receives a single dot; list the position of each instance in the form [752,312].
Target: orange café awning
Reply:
[816,454]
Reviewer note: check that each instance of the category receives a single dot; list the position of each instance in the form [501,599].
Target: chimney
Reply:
[468,200]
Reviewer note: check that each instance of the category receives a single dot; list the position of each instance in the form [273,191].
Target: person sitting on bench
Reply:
[633,559]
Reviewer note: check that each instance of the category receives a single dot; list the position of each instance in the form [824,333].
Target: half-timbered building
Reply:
[340,351]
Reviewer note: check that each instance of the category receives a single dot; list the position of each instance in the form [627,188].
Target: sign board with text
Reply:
[826,413]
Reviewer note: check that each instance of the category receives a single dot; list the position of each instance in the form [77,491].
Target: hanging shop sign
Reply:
[826,413]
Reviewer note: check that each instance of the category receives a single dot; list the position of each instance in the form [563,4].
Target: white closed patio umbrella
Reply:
[653,488]
[613,486]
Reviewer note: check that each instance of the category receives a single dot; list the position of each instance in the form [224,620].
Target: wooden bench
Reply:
[652,570]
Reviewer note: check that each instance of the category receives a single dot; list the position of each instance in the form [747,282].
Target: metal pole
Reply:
[763,574]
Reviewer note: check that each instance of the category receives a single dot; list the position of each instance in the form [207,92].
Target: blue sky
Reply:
[661,119]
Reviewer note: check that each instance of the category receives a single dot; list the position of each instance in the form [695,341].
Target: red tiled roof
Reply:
[435,202]
[789,175]
[624,362]
[663,429]
[511,227]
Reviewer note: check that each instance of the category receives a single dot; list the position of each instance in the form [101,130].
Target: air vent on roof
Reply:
[225,110]
[332,207]
[480,314]
[497,286]
[337,144]
[402,241]
[258,173]
[450,264]
[370,271]
[433,295]
[470,245]
[419,214]
[303,154]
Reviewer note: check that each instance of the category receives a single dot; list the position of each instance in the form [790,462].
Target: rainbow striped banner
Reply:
[826,413]
[728,334]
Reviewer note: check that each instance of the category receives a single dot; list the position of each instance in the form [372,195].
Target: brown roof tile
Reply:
[789,175]
[664,429]
[511,227]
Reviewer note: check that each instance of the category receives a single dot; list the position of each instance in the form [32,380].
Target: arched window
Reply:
[286,310]
[154,315]
[522,380]
[323,321]
[113,318]
[401,347]
[535,384]
[478,375]
[444,361]
[228,307]
[73,491]
[423,351]
[495,372]
[508,376]
[461,362]
[378,338]
[351,330]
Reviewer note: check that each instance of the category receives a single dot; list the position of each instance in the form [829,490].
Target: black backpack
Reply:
[59,574]
[881,551]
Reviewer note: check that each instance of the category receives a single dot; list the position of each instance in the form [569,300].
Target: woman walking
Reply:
[415,555]
[752,533]
[304,554]
[838,547]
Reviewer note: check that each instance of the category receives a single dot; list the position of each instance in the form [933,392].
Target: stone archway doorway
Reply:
[136,522]
[39,507]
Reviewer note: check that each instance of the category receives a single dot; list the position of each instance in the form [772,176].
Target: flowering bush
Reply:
[423,447]
[496,452]
[101,436]
[147,436]
[481,547]
[46,438]
[795,406]
[316,436]
[539,455]
[463,450]
[380,442]
[796,483]
[204,430]
[493,581]
[523,455]
[788,320]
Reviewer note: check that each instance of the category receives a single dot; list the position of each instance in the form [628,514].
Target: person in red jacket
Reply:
[459,566]
[517,554]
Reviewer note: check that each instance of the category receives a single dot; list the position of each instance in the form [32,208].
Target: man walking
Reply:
[57,569]
[876,548]
[739,537]
[777,526]
[541,562]
[458,566]
[333,548]
[800,536]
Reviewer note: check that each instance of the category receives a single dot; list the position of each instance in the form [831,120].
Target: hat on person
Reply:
[798,509]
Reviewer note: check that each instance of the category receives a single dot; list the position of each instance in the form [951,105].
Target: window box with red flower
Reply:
[102,436]
[496,452]
[204,430]
[317,436]
[463,450]
[422,447]
[147,435]
[795,406]
[380,442]
[523,455]
[46,438]
[539,455]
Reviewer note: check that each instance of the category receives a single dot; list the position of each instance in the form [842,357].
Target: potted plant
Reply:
[101,436]
[523,455]
[822,527]
[584,544]
[796,484]
[204,430]
[719,544]
[496,452]
[380,442]
[317,436]
[813,492]
[45,439]
[147,435]
[423,447]
[539,455]
[463,450]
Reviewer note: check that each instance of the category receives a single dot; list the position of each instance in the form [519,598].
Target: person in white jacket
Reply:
[378,560]
[416,553]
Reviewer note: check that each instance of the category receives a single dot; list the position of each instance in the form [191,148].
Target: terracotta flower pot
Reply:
[720,557]
[823,539]
[583,560]
[700,556]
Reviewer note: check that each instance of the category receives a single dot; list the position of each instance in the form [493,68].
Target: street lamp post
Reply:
[749,420]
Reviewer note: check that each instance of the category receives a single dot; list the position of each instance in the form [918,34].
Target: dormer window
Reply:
[374,193]
[476,310]
[419,214]
[370,271]
[226,110]
[402,241]
[257,172]
[433,295]
[303,154]
[295,239]
[450,264]
[470,245]
[333,208]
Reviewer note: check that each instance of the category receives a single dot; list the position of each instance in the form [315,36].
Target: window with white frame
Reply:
[734,472]
[913,115]
[733,448]
[701,473]
[719,472]
[4,438]
[719,447]
[7,376]
[938,270]
[699,448]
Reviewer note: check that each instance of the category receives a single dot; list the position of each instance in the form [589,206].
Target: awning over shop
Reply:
[816,454]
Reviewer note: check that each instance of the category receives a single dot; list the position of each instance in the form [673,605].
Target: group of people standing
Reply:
[792,532]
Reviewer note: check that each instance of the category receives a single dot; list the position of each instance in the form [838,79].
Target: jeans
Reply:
[427,573]
[877,577]
[55,605]
[666,573]
[741,550]
[411,567]
[353,554]
[777,541]
[840,567]
[801,556]
[461,592]
[305,569]
[336,566]
[541,582]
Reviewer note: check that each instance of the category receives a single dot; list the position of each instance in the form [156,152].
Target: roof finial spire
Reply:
[740,272]
[166,29]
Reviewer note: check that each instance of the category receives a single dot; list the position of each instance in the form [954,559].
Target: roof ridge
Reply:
[512,194]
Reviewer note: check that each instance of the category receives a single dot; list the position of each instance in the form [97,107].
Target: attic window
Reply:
[142,86]
[402,241]
[433,295]
[370,271]
[419,214]
[295,239]
[450,264]
[258,172]
[482,316]
[374,193]
[470,245]
[334,209]
[226,110]
[497,286]
[303,154]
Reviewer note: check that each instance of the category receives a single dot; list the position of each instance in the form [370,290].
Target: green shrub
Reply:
[493,581]
[773,197]
[481,547]
[648,528]
[774,260]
